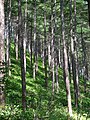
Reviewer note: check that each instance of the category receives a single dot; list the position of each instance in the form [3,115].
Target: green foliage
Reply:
[14,112]
[40,102]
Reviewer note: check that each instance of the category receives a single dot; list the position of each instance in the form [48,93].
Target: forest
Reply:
[44,59]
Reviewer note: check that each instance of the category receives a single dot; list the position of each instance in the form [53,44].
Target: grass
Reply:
[40,102]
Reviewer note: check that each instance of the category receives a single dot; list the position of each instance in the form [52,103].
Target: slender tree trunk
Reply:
[57,81]
[45,47]
[31,44]
[76,59]
[25,34]
[7,48]
[16,44]
[8,38]
[49,55]
[52,48]
[74,53]
[69,60]
[20,37]
[84,61]
[59,53]
[34,66]
[49,43]
[2,56]
[65,60]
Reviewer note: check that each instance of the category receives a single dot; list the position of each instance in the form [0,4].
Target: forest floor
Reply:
[40,102]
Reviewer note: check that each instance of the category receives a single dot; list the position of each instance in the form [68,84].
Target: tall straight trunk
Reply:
[45,47]
[20,37]
[59,52]
[49,50]
[52,48]
[57,80]
[7,46]
[49,43]
[8,39]
[16,44]
[2,56]
[34,66]
[71,41]
[76,59]
[43,53]
[72,49]
[65,60]
[84,61]
[69,61]
[57,56]
[29,39]
[25,34]
[74,53]
[31,43]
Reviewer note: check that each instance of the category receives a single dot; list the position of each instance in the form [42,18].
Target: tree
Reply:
[34,40]
[8,34]
[45,49]
[52,48]
[22,55]
[2,56]
[76,76]
[65,60]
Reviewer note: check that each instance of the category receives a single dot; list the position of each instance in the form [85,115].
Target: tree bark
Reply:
[25,34]
[76,60]
[65,60]
[20,37]
[52,48]
[8,38]
[2,55]
[16,43]
[35,52]
[84,61]
[45,47]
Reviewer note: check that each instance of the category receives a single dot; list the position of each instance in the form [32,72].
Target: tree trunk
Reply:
[8,38]
[65,60]
[20,37]
[52,48]
[16,44]
[2,56]
[25,34]
[57,81]
[84,61]
[31,43]
[34,66]
[76,59]
[45,48]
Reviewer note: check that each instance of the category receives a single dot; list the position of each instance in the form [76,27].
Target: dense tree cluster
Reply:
[52,31]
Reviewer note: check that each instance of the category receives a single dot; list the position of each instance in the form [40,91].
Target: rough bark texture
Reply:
[52,48]
[20,37]
[25,34]
[45,48]
[35,52]
[16,43]
[76,80]
[84,61]
[2,97]
[65,61]
[8,38]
